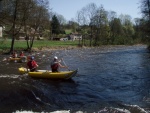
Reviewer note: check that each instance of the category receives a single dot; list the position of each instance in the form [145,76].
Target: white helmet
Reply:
[55,57]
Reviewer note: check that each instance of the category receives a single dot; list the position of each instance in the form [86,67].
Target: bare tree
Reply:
[111,15]
[12,17]
[18,14]
[145,8]
[101,26]
[81,19]
[39,18]
[85,15]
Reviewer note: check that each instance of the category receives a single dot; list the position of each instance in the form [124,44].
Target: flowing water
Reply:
[114,79]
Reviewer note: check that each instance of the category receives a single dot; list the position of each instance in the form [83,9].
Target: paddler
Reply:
[55,64]
[32,64]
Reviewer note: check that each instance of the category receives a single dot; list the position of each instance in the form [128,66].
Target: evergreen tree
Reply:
[55,25]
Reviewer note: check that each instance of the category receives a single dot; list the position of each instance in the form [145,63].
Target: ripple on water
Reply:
[110,79]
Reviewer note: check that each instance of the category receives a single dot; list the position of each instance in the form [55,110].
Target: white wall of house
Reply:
[76,37]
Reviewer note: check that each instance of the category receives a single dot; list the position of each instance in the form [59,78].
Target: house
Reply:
[75,36]
[31,33]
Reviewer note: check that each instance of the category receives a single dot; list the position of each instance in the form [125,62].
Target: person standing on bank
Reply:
[55,64]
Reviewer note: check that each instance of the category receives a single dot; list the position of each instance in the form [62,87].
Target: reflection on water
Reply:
[109,79]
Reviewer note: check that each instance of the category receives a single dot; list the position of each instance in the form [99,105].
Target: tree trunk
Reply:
[13,28]
[12,45]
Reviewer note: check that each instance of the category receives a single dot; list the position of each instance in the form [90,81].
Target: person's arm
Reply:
[36,65]
[62,66]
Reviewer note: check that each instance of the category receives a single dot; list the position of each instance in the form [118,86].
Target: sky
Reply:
[69,8]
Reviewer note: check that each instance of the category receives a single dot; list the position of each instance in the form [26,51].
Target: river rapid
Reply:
[111,79]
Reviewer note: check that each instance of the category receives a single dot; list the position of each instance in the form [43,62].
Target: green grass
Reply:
[37,44]
[68,31]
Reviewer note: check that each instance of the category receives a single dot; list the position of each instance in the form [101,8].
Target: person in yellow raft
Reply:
[32,64]
[14,54]
[55,64]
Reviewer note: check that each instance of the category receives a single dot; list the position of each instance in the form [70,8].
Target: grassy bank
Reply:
[39,44]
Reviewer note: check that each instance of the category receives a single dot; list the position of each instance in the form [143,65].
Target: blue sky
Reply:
[69,8]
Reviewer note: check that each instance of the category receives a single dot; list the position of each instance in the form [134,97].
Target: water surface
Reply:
[109,79]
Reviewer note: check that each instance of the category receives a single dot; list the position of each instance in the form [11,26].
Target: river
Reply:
[111,79]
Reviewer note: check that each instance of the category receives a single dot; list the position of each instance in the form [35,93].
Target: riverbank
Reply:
[52,48]
[47,45]
[36,49]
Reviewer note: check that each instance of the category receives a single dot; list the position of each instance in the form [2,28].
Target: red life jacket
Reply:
[54,67]
[21,54]
[31,64]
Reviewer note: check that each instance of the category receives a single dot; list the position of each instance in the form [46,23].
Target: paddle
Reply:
[65,64]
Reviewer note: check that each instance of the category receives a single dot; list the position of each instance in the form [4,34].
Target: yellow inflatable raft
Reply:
[49,74]
[18,59]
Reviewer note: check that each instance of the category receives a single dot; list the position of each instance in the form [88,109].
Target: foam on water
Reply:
[130,109]
[10,76]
